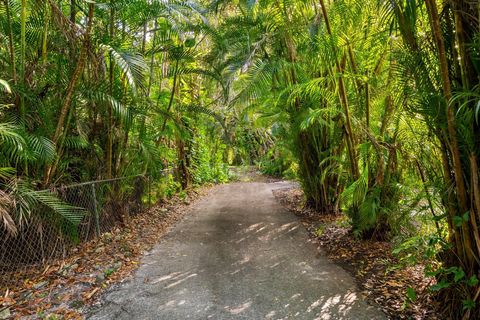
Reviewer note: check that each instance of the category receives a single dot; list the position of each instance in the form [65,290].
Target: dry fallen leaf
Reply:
[79,277]
[90,295]
[367,261]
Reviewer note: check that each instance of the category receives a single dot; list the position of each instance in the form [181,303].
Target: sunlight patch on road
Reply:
[270,315]
[167,277]
[240,308]
[253,227]
[314,305]
[180,281]
[243,261]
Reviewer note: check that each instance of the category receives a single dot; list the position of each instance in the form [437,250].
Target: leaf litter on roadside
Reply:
[401,292]
[62,289]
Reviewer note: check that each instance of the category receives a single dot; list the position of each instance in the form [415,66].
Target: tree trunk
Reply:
[172,95]
[452,131]
[11,47]
[71,86]
[152,59]
[344,101]
[45,34]
[23,22]
[458,172]
[73,10]
[110,107]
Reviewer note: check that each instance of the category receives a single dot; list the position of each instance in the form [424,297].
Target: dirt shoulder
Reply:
[377,271]
[65,288]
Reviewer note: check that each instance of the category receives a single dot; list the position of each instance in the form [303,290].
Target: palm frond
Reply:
[131,65]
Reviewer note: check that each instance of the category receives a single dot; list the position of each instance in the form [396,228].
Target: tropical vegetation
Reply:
[372,105]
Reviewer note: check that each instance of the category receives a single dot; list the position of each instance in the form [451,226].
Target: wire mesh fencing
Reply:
[67,216]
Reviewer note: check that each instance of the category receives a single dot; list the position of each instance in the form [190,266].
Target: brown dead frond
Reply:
[69,29]
[6,208]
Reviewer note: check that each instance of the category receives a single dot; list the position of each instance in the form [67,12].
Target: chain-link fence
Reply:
[78,213]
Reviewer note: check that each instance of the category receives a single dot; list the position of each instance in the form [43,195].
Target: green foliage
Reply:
[138,105]
[166,187]
[357,101]
[279,162]
[411,294]
[208,160]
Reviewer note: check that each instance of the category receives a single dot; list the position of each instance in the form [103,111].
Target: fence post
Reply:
[95,210]
[149,183]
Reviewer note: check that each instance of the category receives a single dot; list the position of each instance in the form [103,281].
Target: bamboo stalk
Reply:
[73,10]
[452,131]
[427,194]
[476,200]
[466,243]
[353,65]
[475,182]
[23,22]
[109,155]
[71,87]
[74,79]
[172,95]
[11,47]
[344,100]
[45,34]
[152,59]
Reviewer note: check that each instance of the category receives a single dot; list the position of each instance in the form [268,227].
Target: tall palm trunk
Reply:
[152,59]
[45,33]
[71,88]
[75,76]
[109,155]
[23,22]
[172,94]
[451,126]
[11,48]
[73,10]
[344,101]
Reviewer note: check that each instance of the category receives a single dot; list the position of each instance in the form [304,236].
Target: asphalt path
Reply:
[237,255]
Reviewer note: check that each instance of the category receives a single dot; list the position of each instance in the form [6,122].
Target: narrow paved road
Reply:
[239,255]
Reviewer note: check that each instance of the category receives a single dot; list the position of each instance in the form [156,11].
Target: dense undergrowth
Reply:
[373,105]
